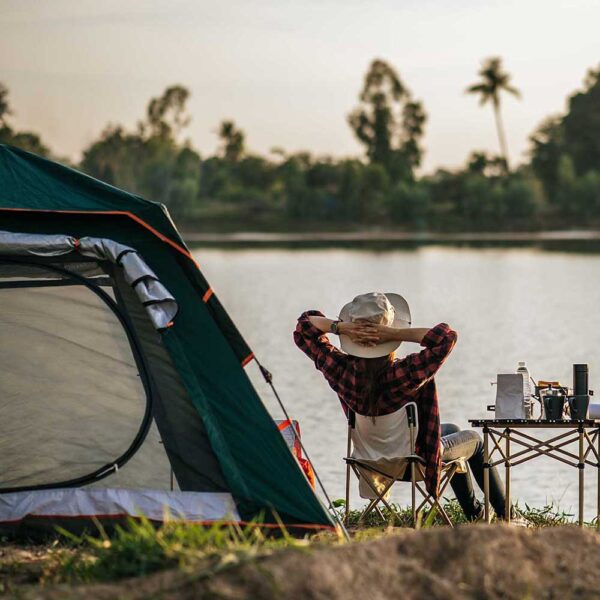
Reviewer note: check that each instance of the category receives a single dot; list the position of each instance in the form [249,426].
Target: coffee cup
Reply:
[554,407]
[578,407]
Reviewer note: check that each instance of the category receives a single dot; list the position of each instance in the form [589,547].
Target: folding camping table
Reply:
[511,442]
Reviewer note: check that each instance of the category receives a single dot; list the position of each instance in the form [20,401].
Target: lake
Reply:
[507,304]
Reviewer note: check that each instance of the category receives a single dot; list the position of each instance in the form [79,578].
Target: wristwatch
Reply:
[334,327]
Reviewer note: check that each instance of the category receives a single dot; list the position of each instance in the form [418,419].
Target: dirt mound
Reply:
[469,562]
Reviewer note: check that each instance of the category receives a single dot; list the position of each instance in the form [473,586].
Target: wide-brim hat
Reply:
[387,309]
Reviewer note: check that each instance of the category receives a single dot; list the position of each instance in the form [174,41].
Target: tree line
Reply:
[559,184]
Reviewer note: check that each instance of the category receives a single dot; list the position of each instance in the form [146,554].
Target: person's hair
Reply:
[374,369]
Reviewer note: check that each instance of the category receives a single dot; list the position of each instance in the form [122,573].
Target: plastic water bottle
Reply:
[527,407]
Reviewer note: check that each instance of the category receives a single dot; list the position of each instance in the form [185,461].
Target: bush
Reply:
[409,203]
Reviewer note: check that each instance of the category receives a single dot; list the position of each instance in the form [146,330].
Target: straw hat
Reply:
[384,309]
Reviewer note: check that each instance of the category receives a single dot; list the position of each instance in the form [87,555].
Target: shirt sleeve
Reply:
[314,343]
[420,367]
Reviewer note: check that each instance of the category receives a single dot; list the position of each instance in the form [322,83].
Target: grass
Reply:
[550,515]
[140,548]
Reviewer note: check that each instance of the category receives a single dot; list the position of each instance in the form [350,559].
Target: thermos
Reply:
[579,402]
[580,380]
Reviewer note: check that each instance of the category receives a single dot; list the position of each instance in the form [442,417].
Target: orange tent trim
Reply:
[141,222]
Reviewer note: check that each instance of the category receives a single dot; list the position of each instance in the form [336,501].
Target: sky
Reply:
[289,72]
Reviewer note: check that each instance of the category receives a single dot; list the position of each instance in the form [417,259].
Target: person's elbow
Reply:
[298,338]
[452,336]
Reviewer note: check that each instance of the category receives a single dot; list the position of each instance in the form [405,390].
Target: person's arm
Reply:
[310,336]
[357,332]
[438,342]
[311,339]
[420,367]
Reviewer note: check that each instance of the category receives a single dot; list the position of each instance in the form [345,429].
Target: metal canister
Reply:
[580,380]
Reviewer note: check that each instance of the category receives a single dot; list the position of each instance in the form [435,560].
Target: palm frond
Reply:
[511,89]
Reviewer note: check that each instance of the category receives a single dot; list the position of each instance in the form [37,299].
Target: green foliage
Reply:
[232,140]
[5,110]
[581,125]
[150,162]
[401,516]
[166,114]
[26,140]
[388,122]
[140,548]
[494,80]
[235,189]
[547,516]
[565,148]
[550,515]
[410,204]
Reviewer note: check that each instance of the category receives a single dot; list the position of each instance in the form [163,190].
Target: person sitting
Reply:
[371,381]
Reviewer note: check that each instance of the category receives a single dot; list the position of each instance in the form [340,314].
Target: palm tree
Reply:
[493,81]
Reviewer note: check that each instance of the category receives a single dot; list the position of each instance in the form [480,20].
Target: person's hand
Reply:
[359,333]
[383,333]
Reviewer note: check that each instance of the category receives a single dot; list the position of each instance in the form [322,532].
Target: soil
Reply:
[469,562]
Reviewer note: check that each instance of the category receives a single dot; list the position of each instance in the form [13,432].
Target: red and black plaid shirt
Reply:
[407,379]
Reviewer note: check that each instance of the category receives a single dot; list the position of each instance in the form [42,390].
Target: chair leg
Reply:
[413,485]
[435,503]
[347,507]
[379,497]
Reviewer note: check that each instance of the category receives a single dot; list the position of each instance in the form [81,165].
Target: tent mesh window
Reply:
[73,394]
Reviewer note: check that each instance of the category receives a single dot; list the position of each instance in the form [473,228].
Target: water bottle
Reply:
[527,406]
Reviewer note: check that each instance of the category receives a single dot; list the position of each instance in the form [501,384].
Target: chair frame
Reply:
[415,463]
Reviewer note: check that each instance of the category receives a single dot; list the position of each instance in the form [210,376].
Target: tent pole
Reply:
[269,379]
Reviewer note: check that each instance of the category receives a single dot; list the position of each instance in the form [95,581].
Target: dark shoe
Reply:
[479,516]
[517,519]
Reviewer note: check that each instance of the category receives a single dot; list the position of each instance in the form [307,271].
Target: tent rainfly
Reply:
[122,381]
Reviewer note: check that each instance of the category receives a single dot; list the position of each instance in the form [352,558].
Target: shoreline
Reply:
[369,236]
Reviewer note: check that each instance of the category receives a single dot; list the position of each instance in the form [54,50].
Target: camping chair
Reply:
[382,452]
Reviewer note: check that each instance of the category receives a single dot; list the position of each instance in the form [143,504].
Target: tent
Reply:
[122,378]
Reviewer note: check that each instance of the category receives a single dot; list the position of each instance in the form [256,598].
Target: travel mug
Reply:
[579,406]
[554,407]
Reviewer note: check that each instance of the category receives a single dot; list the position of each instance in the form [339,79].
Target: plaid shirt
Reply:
[407,379]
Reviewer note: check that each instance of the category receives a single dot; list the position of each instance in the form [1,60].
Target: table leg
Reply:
[598,475]
[486,474]
[581,466]
[507,478]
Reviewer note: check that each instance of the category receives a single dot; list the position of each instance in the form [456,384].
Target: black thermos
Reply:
[580,380]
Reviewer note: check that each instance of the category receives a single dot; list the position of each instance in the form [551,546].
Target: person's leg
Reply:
[448,428]
[461,482]
[469,445]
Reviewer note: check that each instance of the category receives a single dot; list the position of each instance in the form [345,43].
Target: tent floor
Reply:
[76,509]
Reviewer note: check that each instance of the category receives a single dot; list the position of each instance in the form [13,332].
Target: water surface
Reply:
[507,305]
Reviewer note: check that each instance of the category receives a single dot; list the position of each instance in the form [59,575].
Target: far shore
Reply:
[258,237]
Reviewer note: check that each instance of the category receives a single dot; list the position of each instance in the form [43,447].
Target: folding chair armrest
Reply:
[416,458]
[460,463]
[411,457]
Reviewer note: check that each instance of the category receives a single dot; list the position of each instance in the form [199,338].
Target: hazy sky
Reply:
[288,72]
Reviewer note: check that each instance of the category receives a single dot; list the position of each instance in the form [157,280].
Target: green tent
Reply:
[122,381]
